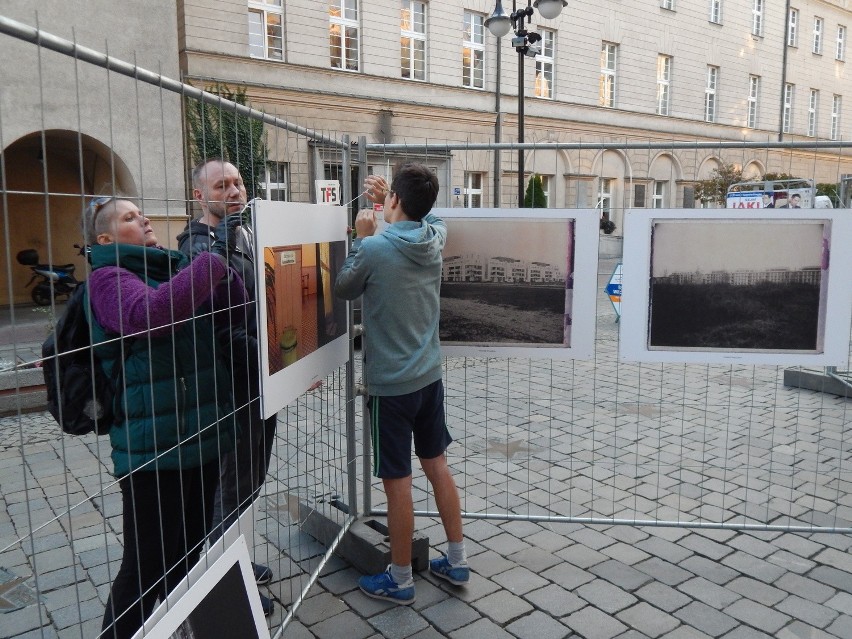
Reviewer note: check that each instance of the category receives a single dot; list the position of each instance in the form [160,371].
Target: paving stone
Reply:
[451,614]
[620,574]
[832,577]
[706,619]
[756,590]
[842,602]
[506,544]
[663,571]
[706,591]
[591,538]
[757,615]
[592,623]
[799,630]
[341,581]
[480,629]
[476,588]
[549,541]
[502,606]
[685,632]
[752,545]
[322,606]
[744,632]
[76,614]
[555,600]
[625,553]
[356,628]
[20,621]
[567,576]
[805,587]
[710,570]
[789,561]
[705,547]
[534,559]
[648,620]
[841,627]
[538,625]
[606,596]
[807,611]
[659,547]
[399,622]
[581,556]
[519,580]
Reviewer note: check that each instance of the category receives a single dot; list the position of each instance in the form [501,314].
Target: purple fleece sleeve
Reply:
[123,303]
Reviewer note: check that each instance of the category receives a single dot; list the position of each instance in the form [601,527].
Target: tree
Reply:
[535,197]
[220,132]
[715,189]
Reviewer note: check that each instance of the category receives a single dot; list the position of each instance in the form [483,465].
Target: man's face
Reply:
[221,190]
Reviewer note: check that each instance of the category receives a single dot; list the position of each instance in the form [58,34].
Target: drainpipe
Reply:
[784,69]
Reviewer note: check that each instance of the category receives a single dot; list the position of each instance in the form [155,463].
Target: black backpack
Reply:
[80,396]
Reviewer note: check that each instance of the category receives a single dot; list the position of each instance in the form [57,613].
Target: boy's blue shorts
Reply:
[393,421]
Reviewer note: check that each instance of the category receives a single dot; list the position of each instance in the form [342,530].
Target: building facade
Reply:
[638,71]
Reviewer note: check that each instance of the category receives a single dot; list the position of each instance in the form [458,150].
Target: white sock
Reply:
[455,553]
[401,574]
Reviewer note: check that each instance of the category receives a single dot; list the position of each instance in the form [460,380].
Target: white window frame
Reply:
[345,24]
[410,38]
[789,92]
[471,191]
[609,69]
[267,13]
[813,113]
[664,84]
[817,43]
[658,195]
[836,106]
[545,65]
[757,17]
[793,28]
[605,197]
[283,170]
[710,93]
[545,187]
[753,101]
[716,11]
[667,4]
[840,49]
[473,35]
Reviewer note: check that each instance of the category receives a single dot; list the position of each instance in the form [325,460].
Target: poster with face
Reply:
[757,288]
[302,327]
[519,283]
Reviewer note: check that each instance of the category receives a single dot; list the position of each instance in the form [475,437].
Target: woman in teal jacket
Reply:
[153,324]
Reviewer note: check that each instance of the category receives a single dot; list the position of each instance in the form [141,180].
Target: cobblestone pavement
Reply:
[597,441]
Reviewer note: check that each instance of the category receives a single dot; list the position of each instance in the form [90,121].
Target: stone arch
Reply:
[50,222]
[707,166]
[664,172]
[753,169]
[613,177]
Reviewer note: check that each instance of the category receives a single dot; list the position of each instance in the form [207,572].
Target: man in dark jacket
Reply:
[219,189]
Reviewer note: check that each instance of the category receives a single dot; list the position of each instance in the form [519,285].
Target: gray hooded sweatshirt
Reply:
[399,274]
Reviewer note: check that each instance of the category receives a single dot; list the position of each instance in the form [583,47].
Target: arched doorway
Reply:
[47,178]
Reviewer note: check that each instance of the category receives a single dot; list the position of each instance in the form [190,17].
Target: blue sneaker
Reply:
[382,586]
[457,575]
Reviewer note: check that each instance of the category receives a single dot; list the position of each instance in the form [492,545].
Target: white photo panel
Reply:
[744,286]
[303,328]
[519,283]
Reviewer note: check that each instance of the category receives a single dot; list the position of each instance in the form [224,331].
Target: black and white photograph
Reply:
[510,281]
[738,285]
[758,288]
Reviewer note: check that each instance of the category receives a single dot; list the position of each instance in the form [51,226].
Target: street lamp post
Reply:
[526,44]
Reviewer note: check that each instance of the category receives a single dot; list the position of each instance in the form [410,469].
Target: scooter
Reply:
[56,279]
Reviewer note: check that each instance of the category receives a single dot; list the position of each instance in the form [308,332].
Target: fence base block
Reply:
[816,381]
[366,545]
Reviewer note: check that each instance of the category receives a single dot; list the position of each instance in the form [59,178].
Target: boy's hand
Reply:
[377,188]
[365,223]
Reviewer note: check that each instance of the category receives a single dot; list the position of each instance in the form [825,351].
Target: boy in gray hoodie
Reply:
[398,272]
